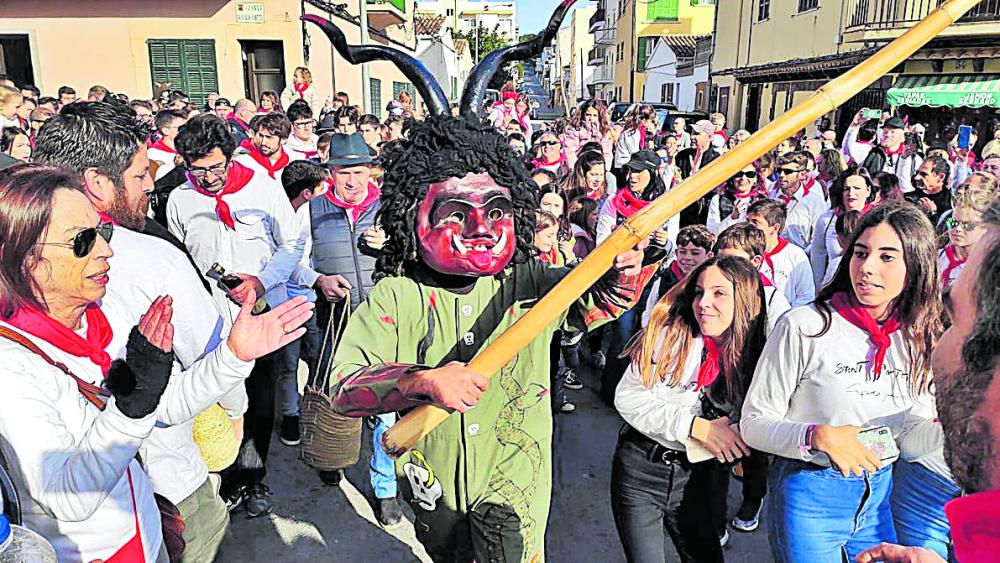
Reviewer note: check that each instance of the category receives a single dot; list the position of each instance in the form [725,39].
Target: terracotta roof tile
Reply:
[428,25]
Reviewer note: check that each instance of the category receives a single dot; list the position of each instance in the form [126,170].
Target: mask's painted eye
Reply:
[496,214]
[456,216]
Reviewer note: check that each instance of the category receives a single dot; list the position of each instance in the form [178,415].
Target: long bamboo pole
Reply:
[422,420]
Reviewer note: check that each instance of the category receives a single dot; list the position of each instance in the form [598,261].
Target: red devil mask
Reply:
[465,226]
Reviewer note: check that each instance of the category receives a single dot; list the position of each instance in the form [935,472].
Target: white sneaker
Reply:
[741,521]
[567,408]
[724,540]
[599,359]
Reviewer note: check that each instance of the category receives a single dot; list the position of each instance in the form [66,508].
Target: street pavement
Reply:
[313,522]
[532,84]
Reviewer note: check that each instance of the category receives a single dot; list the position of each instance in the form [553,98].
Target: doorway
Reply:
[751,121]
[15,59]
[263,67]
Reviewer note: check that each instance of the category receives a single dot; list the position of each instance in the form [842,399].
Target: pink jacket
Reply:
[573,139]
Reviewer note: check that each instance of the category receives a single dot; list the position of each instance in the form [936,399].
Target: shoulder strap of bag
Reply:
[92,393]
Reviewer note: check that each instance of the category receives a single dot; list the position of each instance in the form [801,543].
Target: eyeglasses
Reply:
[83,241]
[789,171]
[748,175]
[547,143]
[304,124]
[952,223]
[921,174]
[219,170]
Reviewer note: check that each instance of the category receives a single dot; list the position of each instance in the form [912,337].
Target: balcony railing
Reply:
[603,74]
[383,13]
[869,15]
[606,37]
[595,56]
[597,20]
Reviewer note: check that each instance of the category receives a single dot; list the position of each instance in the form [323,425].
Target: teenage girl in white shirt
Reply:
[852,361]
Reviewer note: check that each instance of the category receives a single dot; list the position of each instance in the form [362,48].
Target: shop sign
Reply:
[249,12]
[978,99]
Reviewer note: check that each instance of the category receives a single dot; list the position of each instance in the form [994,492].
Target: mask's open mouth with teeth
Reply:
[480,251]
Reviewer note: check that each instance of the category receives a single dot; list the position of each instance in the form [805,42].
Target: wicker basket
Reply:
[330,440]
[214,434]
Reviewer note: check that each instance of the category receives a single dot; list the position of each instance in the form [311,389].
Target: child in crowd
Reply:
[965,228]
[694,246]
[835,383]
[583,225]
[546,235]
[543,177]
[785,264]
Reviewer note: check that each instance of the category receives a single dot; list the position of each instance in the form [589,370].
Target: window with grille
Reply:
[663,10]
[763,10]
[667,93]
[375,91]
[398,87]
[187,64]
[808,5]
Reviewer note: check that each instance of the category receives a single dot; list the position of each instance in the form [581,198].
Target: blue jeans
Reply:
[816,515]
[305,348]
[382,470]
[623,328]
[918,498]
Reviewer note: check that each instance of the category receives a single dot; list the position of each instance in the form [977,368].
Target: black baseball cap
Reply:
[644,160]
[894,123]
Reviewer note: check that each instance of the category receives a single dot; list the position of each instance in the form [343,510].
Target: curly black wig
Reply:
[436,149]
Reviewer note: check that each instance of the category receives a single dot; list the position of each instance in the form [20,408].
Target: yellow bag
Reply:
[213,432]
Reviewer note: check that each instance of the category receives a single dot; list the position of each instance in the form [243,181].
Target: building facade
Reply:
[677,72]
[760,72]
[581,74]
[447,59]
[466,15]
[237,49]
[602,54]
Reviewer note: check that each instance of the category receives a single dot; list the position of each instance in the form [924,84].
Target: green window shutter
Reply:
[398,87]
[663,10]
[188,64]
[375,85]
[640,65]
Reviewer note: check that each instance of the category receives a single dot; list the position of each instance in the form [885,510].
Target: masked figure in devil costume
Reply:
[457,271]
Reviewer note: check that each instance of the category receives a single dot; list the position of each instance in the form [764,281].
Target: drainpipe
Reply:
[366,87]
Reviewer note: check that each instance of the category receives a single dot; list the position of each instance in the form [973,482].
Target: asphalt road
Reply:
[312,522]
[532,84]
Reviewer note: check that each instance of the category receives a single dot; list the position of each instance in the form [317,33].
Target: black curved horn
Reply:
[413,69]
[482,73]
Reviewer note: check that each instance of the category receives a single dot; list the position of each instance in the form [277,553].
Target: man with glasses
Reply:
[105,145]
[802,196]
[929,193]
[230,215]
[162,152]
[302,141]
[692,159]
[264,152]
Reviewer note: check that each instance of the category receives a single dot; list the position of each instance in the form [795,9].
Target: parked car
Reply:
[667,121]
[620,110]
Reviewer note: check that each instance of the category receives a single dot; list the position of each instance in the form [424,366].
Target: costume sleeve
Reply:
[818,257]
[654,293]
[288,249]
[287,97]
[364,371]
[68,477]
[608,299]
[762,423]
[174,224]
[304,275]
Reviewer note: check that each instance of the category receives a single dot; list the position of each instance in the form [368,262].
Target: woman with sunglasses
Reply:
[965,228]
[549,155]
[835,384]
[72,422]
[853,190]
[730,207]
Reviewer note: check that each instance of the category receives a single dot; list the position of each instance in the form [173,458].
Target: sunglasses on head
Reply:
[788,171]
[748,175]
[84,241]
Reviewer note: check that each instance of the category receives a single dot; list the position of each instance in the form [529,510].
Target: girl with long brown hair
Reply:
[639,124]
[591,124]
[834,384]
[689,372]
[588,179]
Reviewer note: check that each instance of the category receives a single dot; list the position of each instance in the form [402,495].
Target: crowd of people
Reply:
[161,258]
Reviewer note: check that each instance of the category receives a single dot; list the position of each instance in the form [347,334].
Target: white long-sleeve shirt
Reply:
[801,380]
[803,211]
[825,249]
[264,244]
[143,268]
[303,277]
[661,412]
[70,461]
[792,275]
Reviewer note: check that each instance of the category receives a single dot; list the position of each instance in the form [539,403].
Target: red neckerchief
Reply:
[642,138]
[708,371]
[725,136]
[549,257]
[355,210]
[265,162]
[105,218]
[696,160]
[786,199]
[848,307]
[543,164]
[675,269]
[899,150]
[41,325]
[782,243]
[159,144]
[300,89]
[975,526]
[627,203]
[236,179]
[596,194]
[766,280]
[953,262]
[752,193]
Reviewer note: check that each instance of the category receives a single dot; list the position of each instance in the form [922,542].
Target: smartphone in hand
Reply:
[879,441]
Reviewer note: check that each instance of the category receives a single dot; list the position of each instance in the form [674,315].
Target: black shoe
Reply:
[258,500]
[235,498]
[389,512]
[290,431]
[331,478]
[571,381]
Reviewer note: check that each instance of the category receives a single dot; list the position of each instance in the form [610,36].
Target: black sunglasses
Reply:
[548,143]
[83,241]
[789,171]
[748,175]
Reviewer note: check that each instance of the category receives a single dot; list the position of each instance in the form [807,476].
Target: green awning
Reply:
[969,91]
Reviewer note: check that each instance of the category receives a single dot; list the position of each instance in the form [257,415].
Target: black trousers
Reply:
[258,424]
[656,493]
[557,391]
[755,477]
